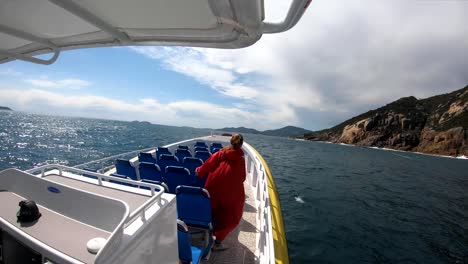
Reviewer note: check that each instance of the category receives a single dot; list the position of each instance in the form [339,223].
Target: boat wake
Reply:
[299,199]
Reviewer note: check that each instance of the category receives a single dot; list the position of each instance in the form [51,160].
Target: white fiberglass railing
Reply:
[117,236]
[257,178]
[154,188]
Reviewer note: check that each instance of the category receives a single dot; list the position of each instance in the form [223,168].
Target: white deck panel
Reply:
[53,229]
[133,200]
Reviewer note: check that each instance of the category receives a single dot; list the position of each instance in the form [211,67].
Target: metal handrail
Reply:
[100,177]
[83,165]
[296,10]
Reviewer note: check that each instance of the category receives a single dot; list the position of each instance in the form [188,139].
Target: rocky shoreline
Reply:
[435,125]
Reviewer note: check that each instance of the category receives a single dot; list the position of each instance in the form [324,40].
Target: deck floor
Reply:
[241,241]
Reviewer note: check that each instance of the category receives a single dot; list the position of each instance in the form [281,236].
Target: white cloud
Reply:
[64,83]
[341,59]
[182,113]
[194,63]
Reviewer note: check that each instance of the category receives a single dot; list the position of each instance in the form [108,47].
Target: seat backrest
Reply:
[167,160]
[175,176]
[191,164]
[162,150]
[124,167]
[200,144]
[182,153]
[185,252]
[150,171]
[146,157]
[193,206]
[215,145]
[182,147]
[203,155]
[200,149]
[214,150]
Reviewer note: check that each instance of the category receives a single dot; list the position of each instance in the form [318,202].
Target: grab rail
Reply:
[100,177]
[100,161]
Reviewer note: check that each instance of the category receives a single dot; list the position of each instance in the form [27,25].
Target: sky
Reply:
[342,58]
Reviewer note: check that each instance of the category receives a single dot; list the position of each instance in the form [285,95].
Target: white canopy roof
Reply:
[32,27]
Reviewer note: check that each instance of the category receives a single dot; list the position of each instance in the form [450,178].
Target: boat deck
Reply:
[241,241]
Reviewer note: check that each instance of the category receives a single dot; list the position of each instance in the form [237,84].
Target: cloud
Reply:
[65,83]
[182,113]
[10,72]
[194,63]
[341,59]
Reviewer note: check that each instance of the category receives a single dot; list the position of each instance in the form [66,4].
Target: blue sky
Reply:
[340,60]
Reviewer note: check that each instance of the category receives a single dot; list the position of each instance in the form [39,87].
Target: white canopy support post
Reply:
[296,10]
[89,17]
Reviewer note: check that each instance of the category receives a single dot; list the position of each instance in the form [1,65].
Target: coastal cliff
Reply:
[435,125]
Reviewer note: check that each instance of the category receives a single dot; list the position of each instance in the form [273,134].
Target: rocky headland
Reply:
[435,125]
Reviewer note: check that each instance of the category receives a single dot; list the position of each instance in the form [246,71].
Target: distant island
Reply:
[287,131]
[5,108]
[435,125]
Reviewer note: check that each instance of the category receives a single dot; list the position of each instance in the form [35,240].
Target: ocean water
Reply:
[341,204]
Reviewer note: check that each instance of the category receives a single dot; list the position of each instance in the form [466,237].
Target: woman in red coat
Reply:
[226,175]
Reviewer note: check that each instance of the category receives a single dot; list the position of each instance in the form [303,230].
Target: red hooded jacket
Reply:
[226,175]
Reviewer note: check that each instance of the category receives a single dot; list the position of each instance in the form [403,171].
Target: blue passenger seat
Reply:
[200,144]
[200,149]
[124,167]
[187,253]
[182,147]
[175,176]
[203,155]
[214,150]
[191,164]
[215,145]
[150,171]
[146,157]
[162,150]
[182,153]
[193,207]
[167,160]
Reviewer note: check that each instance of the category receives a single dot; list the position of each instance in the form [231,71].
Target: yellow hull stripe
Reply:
[279,234]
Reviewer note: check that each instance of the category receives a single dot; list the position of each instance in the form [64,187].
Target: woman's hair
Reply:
[236,141]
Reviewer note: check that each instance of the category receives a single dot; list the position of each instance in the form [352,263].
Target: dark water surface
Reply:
[341,204]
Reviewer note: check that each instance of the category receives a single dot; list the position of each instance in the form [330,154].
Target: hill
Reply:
[436,125]
[5,108]
[287,131]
